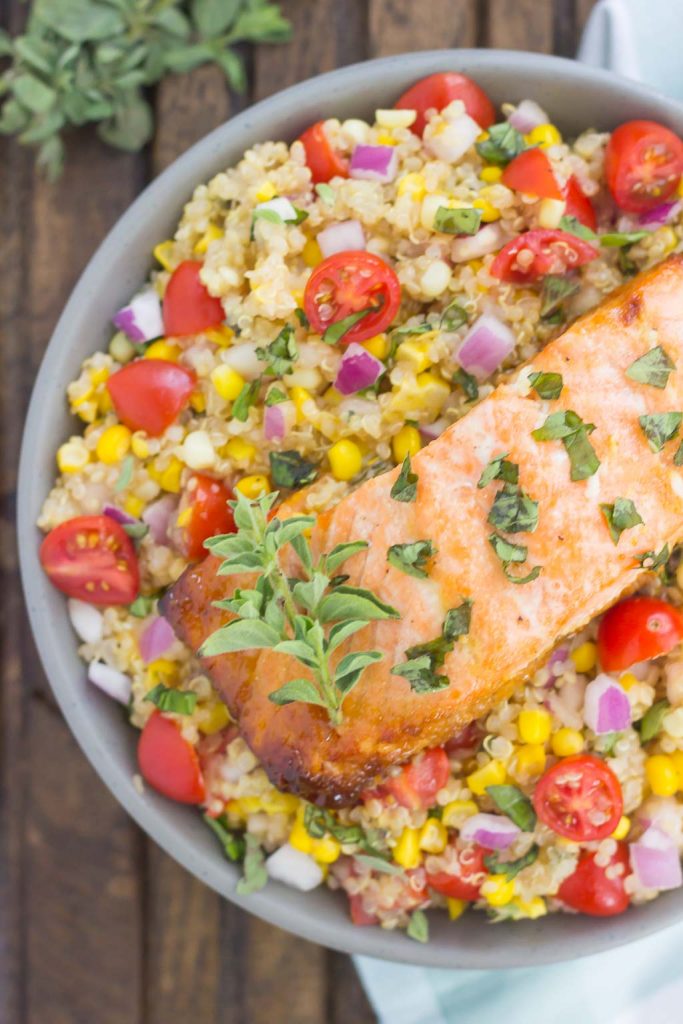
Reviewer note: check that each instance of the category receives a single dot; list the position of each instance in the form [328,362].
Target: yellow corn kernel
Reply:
[660,772]
[386,139]
[378,346]
[239,450]
[299,837]
[212,234]
[407,849]
[170,478]
[253,486]
[197,401]
[249,805]
[300,396]
[406,442]
[227,382]
[432,388]
[567,741]
[534,725]
[76,403]
[275,802]
[482,137]
[139,445]
[489,212]
[551,212]
[667,237]
[491,174]
[99,376]
[265,192]
[298,296]
[312,253]
[232,809]
[454,811]
[72,456]
[163,254]
[530,759]
[332,396]
[326,850]
[104,402]
[113,444]
[345,459]
[628,680]
[585,657]
[162,350]
[390,118]
[412,184]
[533,908]
[543,135]
[498,891]
[492,774]
[184,517]
[162,670]
[433,836]
[221,336]
[677,758]
[134,506]
[623,827]
[213,719]
[456,908]
[415,351]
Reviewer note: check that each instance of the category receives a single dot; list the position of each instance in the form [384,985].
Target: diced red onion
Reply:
[345,236]
[357,370]
[243,359]
[492,831]
[606,707]
[655,860]
[662,214]
[294,868]
[488,239]
[141,319]
[86,620]
[487,343]
[559,655]
[273,423]
[155,639]
[279,205]
[158,517]
[115,684]
[430,431]
[373,163]
[118,515]
[527,116]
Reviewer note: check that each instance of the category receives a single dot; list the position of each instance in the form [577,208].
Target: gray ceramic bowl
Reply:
[577,97]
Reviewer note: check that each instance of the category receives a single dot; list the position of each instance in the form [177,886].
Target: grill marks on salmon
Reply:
[513,627]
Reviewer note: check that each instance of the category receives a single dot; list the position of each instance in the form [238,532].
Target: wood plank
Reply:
[285,979]
[348,1003]
[187,108]
[583,9]
[565,38]
[520,25]
[398,26]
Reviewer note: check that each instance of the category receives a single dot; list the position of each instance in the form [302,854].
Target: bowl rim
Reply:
[279,906]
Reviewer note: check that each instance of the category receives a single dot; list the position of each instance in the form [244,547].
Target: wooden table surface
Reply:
[97,925]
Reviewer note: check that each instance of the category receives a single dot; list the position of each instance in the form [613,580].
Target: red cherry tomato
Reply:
[418,783]
[149,394]
[590,891]
[467,742]
[168,762]
[532,173]
[579,205]
[539,252]
[211,515]
[93,559]
[579,798]
[637,629]
[643,165]
[188,307]
[467,883]
[436,91]
[322,159]
[347,283]
[360,916]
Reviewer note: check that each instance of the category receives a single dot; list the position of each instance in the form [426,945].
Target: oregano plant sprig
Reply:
[297,607]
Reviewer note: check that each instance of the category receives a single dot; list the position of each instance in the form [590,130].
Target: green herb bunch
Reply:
[89,61]
[307,614]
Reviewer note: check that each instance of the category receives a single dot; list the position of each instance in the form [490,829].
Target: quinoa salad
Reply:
[324,310]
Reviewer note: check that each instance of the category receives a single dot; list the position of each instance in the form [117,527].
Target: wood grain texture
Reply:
[396,26]
[520,25]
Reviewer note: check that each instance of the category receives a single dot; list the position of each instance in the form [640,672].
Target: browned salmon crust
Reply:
[513,627]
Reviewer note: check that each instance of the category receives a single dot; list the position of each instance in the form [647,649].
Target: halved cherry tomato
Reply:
[188,307]
[637,629]
[360,916]
[579,798]
[149,394]
[590,891]
[210,513]
[643,165]
[418,783]
[539,252]
[579,205]
[347,283]
[93,559]
[321,157]
[467,742]
[168,762]
[467,883]
[436,91]
[532,173]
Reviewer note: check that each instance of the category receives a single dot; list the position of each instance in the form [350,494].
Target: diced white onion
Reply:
[86,620]
[488,239]
[197,450]
[294,868]
[281,206]
[450,140]
[244,360]
[527,116]
[395,118]
[345,236]
[115,684]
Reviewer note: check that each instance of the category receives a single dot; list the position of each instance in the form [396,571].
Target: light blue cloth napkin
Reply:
[641,983]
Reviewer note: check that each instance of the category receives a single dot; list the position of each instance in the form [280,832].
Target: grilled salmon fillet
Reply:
[513,626]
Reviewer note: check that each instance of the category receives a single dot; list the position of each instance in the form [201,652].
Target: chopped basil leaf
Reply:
[301,216]
[341,327]
[510,868]
[125,474]
[326,193]
[255,875]
[457,621]
[301,317]
[175,701]
[503,144]
[289,469]
[618,239]
[555,290]
[499,469]
[651,722]
[136,530]
[418,926]
[678,457]
[608,742]
[245,400]
[410,330]
[626,265]
[265,214]
[457,221]
[411,558]
[405,485]
[385,867]
[513,511]
[515,805]
[468,383]
[652,561]
[660,427]
[319,822]
[546,385]
[510,554]
[453,317]
[232,842]
[142,606]
[568,427]
[281,354]
[275,397]
[620,516]
[653,368]
[423,660]
[574,226]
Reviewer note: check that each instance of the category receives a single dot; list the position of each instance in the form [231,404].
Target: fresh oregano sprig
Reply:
[304,613]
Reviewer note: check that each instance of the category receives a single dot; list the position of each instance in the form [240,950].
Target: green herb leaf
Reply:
[660,427]
[418,926]
[239,635]
[136,530]
[177,702]
[556,290]
[652,561]
[255,875]
[499,469]
[457,621]
[351,667]
[385,867]
[404,487]
[297,690]
[503,144]
[354,603]
[457,221]
[289,469]
[319,822]
[468,383]
[651,723]
[281,354]
[245,400]
[336,331]
[653,368]
[546,385]
[142,606]
[423,660]
[275,397]
[411,558]
[125,474]
[567,426]
[510,868]
[627,266]
[233,843]
[510,554]
[574,226]
[618,239]
[301,317]
[515,805]
[263,213]
[513,511]
[621,515]
[326,193]
[678,457]
[453,317]
[342,552]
